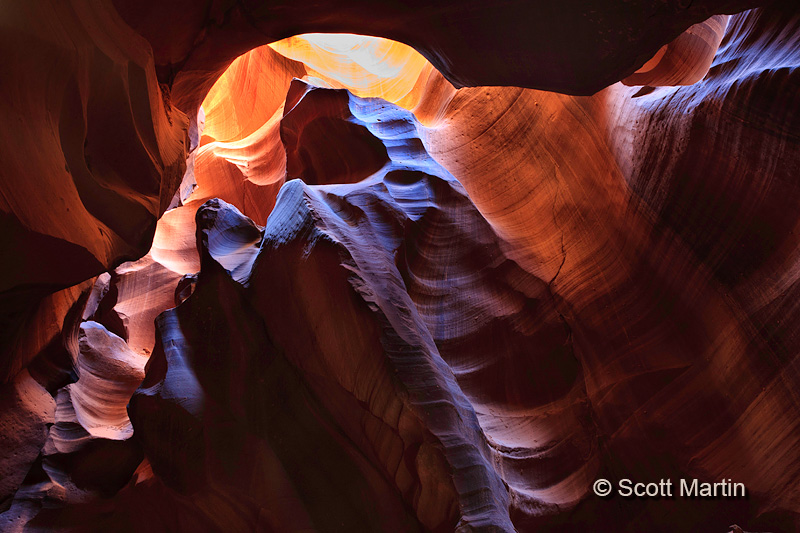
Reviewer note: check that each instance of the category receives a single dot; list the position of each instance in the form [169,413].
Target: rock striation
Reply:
[382,385]
[407,307]
[105,118]
[92,154]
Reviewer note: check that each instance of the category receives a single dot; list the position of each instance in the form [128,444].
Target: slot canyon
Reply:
[400,267]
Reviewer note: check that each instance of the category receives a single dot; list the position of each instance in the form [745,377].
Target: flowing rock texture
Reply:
[355,290]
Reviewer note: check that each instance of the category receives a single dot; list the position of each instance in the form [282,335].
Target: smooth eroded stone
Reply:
[26,412]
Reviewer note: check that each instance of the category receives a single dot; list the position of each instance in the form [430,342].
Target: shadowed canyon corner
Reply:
[396,267]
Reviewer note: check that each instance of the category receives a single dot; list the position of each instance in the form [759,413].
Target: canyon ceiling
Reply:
[258,277]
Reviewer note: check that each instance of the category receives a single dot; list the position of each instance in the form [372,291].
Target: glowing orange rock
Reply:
[685,60]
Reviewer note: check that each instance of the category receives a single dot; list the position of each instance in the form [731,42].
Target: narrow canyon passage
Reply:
[342,283]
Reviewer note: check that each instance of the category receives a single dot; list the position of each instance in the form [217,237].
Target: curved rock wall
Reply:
[458,319]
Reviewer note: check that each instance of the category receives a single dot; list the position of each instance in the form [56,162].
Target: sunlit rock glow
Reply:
[378,303]
[366,66]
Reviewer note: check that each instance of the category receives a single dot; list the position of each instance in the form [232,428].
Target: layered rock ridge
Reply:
[458,321]
[410,433]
